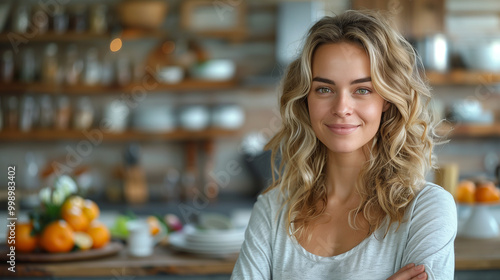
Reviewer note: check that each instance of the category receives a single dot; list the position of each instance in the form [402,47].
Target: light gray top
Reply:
[426,237]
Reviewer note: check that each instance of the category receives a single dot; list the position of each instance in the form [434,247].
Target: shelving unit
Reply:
[461,131]
[152,86]
[469,130]
[62,135]
[126,34]
[463,77]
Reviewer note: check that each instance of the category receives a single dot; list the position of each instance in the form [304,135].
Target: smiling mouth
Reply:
[342,129]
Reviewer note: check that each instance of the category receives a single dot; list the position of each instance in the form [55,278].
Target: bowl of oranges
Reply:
[477,198]
[65,226]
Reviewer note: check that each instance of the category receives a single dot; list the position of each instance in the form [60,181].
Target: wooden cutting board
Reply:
[111,249]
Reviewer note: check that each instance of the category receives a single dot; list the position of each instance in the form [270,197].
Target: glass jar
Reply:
[40,20]
[21,19]
[46,112]
[60,20]
[27,109]
[28,65]
[84,114]
[73,66]
[63,113]
[12,114]
[123,71]
[7,66]
[80,20]
[92,67]
[50,68]
[98,19]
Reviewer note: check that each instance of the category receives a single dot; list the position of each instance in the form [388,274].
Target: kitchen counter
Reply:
[477,253]
[471,254]
[163,262]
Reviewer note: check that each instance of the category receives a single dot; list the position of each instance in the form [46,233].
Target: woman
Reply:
[351,200]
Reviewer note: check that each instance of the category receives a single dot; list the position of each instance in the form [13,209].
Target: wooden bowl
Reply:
[148,14]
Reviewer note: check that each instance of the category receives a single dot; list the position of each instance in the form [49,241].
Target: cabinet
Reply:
[200,141]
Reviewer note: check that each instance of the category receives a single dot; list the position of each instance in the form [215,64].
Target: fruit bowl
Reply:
[480,222]
[475,203]
[110,249]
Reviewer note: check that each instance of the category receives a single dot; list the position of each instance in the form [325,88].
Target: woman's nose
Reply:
[342,105]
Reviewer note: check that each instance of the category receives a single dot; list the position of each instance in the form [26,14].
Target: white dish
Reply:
[194,117]
[480,224]
[215,70]
[178,242]
[171,74]
[230,116]
[154,118]
[217,236]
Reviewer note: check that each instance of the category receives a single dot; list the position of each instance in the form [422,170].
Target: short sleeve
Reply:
[254,261]
[432,232]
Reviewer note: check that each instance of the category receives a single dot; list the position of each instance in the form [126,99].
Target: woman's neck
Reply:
[342,174]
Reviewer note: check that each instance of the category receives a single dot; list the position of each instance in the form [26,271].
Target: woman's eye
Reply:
[363,91]
[323,90]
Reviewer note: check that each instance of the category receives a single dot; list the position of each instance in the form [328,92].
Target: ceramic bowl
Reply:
[480,223]
[230,116]
[170,74]
[194,117]
[215,70]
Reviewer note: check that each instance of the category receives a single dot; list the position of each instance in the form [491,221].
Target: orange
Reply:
[76,219]
[83,240]
[99,233]
[25,241]
[154,225]
[466,191]
[487,192]
[72,201]
[57,237]
[90,209]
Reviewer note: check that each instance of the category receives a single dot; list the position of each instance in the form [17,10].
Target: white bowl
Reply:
[154,118]
[194,117]
[216,70]
[482,54]
[116,116]
[170,74]
[481,223]
[228,116]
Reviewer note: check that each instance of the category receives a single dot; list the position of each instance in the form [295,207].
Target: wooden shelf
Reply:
[470,130]
[126,34]
[62,135]
[487,130]
[463,77]
[188,84]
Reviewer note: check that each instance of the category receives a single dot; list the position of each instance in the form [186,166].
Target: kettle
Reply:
[434,51]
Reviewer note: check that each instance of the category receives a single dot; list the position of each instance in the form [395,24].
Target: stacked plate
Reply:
[208,242]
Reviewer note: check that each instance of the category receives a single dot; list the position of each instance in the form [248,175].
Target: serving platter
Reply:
[111,249]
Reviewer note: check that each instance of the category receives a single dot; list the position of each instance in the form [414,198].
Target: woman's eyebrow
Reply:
[328,81]
[323,80]
[362,80]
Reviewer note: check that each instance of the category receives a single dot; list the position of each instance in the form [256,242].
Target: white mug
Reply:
[140,242]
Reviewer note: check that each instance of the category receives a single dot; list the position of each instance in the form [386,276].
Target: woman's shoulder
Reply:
[271,198]
[433,200]
[431,191]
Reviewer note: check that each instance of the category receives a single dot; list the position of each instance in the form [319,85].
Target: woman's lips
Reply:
[342,129]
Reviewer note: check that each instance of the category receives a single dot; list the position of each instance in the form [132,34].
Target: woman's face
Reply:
[344,109]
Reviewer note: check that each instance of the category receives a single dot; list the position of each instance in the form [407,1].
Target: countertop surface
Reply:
[470,254]
[163,262]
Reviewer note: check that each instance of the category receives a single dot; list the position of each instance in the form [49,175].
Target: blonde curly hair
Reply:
[401,153]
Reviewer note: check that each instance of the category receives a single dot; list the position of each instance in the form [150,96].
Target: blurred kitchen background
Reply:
[149,104]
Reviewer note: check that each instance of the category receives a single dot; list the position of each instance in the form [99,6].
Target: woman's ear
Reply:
[387,104]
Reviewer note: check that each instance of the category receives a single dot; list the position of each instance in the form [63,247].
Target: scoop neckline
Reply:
[319,258]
